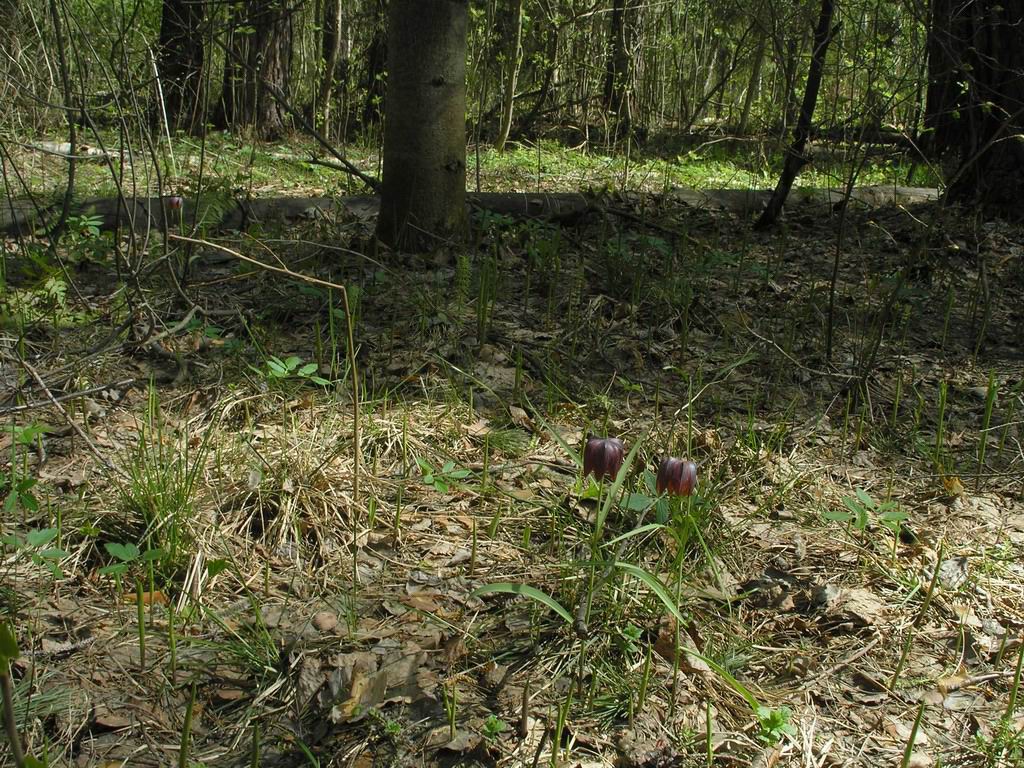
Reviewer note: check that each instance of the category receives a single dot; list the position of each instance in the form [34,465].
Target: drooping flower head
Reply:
[175,202]
[677,476]
[603,456]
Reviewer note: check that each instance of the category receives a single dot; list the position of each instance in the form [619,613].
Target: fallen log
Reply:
[150,213]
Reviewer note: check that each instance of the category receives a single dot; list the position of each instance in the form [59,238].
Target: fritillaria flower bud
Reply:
[603,456]
[175,202]
[677,476]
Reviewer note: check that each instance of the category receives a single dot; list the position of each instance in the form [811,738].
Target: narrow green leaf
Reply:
[525,590]
[636,532]
[8,643]
[656,587]
[557,437]
[659,590]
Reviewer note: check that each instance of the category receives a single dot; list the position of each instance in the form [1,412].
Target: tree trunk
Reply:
[10,27]
[376,58]
[423,192]
[261,55]
[975,102]
[616,78]
[331,54]
[753,86]
[270,56]
[236,49]
[795,158]
[513,53]
[180,59]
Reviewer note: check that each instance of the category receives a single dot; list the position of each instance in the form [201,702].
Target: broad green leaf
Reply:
[153,554]
[639,502]
[526,591]
[125,552]
[215,567]
[865,499]
[53,553]
[292,362]
[41,537]
[113,570]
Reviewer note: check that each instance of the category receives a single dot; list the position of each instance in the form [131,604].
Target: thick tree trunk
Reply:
[270,60]
[975,101]
[376,57]
[513,55]
[180,60]
[616,77]
[262,55]
[795,158]
[424,186]
[236,47]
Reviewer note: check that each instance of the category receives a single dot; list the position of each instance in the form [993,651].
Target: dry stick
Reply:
[71,422]
[69,396]
[354,371]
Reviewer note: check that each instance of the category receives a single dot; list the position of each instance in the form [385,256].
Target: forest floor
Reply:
[848,575]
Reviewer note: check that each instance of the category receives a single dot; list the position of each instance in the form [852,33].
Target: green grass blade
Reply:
[526,591]
[659,590]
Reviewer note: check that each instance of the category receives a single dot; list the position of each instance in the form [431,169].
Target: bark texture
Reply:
[180,60]
[423,191]
[975,102]
[616,76]
[262,55]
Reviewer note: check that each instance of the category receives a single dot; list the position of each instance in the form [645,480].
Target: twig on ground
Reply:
[71,422]
[68,396]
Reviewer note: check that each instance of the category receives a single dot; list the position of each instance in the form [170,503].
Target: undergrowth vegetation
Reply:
[298,501]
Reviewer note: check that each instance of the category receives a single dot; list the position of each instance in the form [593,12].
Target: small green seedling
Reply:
[774,724]
[35,545]
[494,726]
[443,478]
[292,368]
[861,508]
